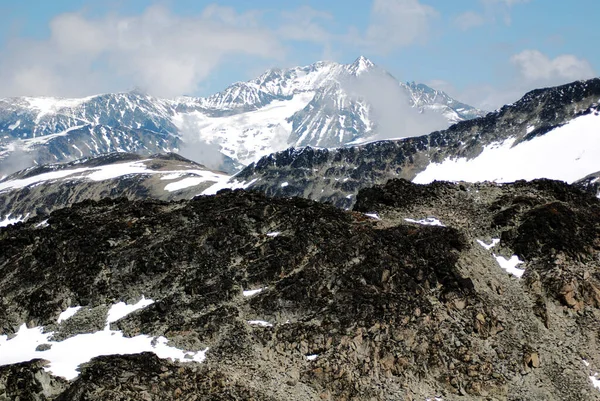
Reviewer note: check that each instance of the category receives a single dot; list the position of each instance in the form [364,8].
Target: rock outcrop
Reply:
[354,305]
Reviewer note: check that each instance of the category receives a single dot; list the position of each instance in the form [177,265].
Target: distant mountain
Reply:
[590,183]
[40,190]
[549,133]
[323,105]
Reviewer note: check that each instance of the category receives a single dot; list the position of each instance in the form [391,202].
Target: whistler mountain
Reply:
[325,104]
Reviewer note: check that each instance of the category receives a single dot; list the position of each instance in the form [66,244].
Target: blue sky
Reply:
[484,52]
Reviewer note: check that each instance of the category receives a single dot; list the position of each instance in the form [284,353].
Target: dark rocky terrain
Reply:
[590,183]
[391,309]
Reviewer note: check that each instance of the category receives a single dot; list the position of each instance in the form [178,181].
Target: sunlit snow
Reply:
[510,265]
[111,171]
[373,216]
[121,309]
[185,183]
[7,221]
[68,313]
[249,293]
[567,153]
[595,380]
[65,356]
[226,184]
[261,323]
[495,241]
[429,221]
[245,136]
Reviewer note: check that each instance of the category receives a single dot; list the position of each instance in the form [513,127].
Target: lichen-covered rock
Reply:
[351,308]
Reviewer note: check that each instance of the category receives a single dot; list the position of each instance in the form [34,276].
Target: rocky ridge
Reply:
[40,190]
[336,175]
[360,304]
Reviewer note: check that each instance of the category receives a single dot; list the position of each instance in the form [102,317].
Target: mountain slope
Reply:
[247,120]
[40,190]
[549,133]
[289,299]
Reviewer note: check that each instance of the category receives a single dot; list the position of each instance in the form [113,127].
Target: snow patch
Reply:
[373,216]
[117,170]
[510,265]
[65,356]
[261,323]
[42,224]
[284,184]
[225,183]
[495,241]
[68,313]
[7,221]
[273,234]
[185,183]
[311,357]
[595,380]
[249,293]
[429,221]
[121,309]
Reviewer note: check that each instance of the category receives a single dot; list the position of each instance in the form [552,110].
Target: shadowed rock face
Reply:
[392,309]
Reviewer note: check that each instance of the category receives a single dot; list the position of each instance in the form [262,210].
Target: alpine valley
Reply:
[324,263]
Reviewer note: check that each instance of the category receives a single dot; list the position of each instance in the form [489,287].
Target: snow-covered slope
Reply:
[39,190]
[314,105]
[566,153]
[549,133]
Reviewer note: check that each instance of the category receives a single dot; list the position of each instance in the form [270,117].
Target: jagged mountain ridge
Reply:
[343,305]
[138,123]
[560,114]
[566,112]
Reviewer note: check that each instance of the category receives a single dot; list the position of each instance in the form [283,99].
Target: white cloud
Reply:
[501,8]
[490,11]
[304,24]
[158,51]
[534,66]
[391,107]
[527,70]
[397,23]
[468,20]
[507,3]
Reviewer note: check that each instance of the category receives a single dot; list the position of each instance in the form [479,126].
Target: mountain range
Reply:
[549,133]
[460,264]
[325,104]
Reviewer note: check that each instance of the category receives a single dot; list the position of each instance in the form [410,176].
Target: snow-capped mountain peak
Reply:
[360,66]
[307,105]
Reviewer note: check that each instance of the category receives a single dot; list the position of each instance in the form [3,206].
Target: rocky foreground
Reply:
[353,305]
